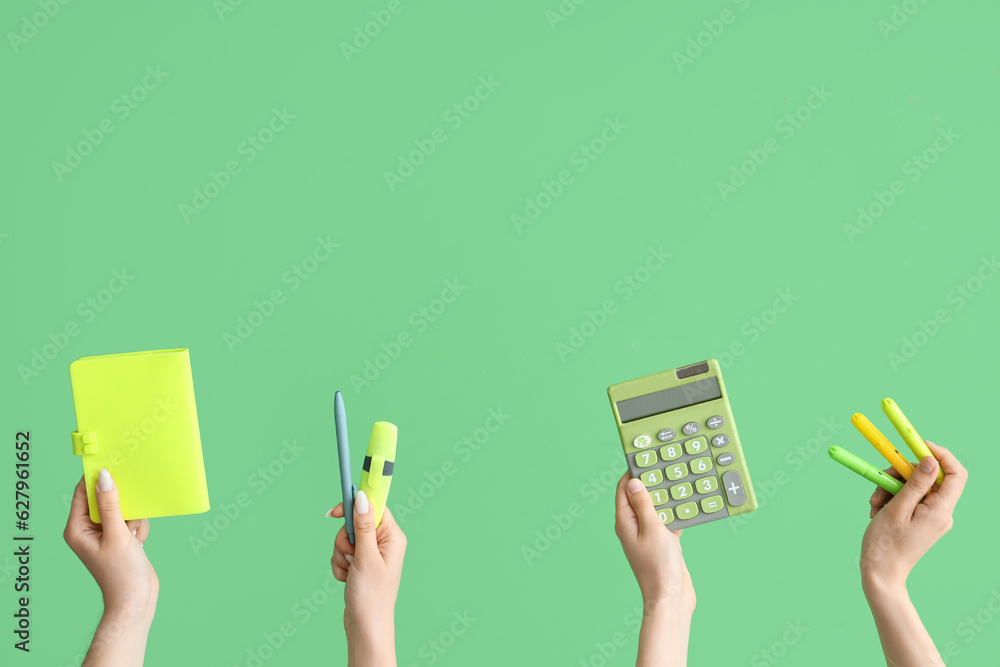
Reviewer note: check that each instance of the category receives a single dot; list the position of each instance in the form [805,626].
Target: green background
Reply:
[525,290]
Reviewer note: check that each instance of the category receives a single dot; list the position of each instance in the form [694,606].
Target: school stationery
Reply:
[679,437]
[136,416]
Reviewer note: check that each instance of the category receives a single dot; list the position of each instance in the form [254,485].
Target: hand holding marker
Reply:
[879,441]
[908,433]
[376,475]
[368,550]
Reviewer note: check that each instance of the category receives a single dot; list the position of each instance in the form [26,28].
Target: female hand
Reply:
[654,553]
[112,550]
[372,568]
[903,528]
[113,553]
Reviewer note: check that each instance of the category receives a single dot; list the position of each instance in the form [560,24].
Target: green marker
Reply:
[865,469]
[909,434]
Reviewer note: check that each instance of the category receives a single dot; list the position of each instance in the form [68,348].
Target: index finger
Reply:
[78,507]
[955,475]
[880,497]
[391,536]
[623,508]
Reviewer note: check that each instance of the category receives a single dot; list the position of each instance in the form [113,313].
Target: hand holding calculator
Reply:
[679,438]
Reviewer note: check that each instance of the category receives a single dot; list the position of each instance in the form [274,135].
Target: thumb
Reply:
[920,482]
[642,503]
[109,508]
[365,541]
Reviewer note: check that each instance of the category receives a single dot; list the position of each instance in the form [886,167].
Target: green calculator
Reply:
[680,439]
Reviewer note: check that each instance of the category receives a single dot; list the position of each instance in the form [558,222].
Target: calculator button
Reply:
[666,435]
[733,484]
[652,477]
[698,466]
[646,459]
[687,510]
[671,452]
[725,458]
[696,445]
[691,428]
[707,484]
[676,471]
[642,441]
[666,516]
[712,504]
[720,440]
[660,496]
[715,422]
[681,491]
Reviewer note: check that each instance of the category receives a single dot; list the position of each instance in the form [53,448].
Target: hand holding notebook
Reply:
[136,416]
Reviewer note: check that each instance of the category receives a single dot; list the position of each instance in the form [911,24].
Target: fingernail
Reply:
[329,512]
[362,504]
[134,531]
[349,557]
[928,464]
[634,486]
[104,481]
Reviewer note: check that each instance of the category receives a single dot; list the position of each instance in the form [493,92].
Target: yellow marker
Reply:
[884,447]
[376,473]
[909,434]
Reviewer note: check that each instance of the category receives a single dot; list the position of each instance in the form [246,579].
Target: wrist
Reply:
[130,612]
[663,609]
[371,643]
[879,585]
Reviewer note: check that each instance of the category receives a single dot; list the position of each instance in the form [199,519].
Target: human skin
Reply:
[655,556]
[371,569]
[114,554]
[902,529]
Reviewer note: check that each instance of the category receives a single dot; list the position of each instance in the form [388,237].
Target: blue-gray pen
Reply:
[344,455]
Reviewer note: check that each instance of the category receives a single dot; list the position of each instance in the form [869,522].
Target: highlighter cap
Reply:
[848,460]
[859,420]
[383,441]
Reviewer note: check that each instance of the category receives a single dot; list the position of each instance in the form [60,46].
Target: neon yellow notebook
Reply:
[135,416]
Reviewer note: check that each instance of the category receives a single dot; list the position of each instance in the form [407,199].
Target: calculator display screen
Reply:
[666,400]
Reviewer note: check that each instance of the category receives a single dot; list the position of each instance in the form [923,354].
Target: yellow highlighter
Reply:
[908,433]
[376,473]
[884,447]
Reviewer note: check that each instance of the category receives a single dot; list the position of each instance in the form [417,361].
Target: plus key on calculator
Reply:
[679,438]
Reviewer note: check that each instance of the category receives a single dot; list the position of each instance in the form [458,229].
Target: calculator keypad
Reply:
[726,458]
[704,464]
[671,452]
[666,435]
[687,477]
[687,510]
[652,477]
[733,484]
[695,445]
[681,491]
[712,504]
[707,484]
[646,459]
[676,471]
